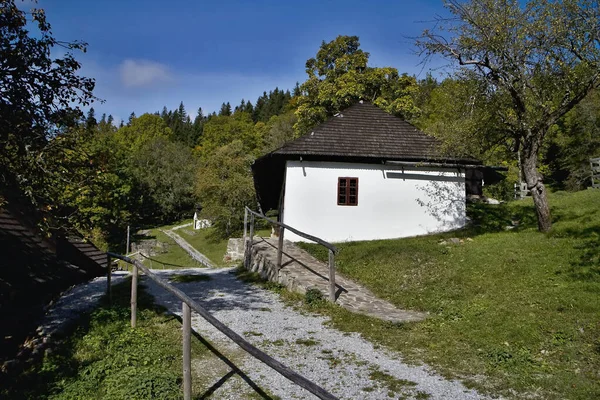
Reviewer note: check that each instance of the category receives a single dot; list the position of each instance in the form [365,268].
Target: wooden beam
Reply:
[134,285]
[332,288]
[187,351]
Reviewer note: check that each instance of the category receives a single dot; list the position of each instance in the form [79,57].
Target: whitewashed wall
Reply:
[392,202]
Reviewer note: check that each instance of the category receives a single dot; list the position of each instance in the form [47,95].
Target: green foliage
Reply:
[165,172]
[573,142]
[339,77]
[107,359]
[536,61]
[279,131]
[223,130]
[41,96]
[208,242]
[225,186]
[274,103]
[313,297]
[140,131]
[518,306]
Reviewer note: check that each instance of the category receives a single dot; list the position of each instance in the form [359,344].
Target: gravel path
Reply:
[74,302]
[345,364]
[60,316]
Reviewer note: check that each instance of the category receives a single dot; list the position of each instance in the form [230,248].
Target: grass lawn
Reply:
[211,245]
[106,359]
[512,312]
[175,257]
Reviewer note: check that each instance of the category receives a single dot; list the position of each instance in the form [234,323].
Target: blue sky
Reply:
[147,54]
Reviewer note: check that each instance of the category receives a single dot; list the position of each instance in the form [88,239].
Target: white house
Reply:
[365,174]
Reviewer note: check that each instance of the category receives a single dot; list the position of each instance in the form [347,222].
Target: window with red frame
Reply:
[347,192]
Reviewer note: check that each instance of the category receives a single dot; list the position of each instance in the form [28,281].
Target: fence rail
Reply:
[187,305]
[282,227]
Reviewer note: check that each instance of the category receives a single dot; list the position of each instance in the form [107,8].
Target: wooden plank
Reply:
[240,341]
[332,276]
[187,352]
[134,281]
[280,247]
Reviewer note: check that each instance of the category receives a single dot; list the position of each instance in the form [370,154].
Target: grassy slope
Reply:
[107,359]
[521,307]
[209,244]
[175,257]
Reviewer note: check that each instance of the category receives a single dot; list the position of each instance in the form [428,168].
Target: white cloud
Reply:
[143,73]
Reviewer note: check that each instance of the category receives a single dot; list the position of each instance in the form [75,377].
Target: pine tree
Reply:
[296,91]
[225,110]
[90,121]
[110,120]
[249,108]
[182,113]
[131,118]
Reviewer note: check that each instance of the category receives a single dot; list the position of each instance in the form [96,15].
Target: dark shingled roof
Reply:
[362,133]
[364,130]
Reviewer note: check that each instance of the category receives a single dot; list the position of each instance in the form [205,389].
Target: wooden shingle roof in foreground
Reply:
[364,130]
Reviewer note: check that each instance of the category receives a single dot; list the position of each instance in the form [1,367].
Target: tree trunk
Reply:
[537,188]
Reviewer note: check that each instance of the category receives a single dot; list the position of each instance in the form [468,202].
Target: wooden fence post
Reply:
[250,241]
[280,247]
[245,227]
[108,279]
[331,276]
[187,351]
[134,284]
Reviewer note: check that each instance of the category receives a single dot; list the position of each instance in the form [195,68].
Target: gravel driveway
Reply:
[344,364]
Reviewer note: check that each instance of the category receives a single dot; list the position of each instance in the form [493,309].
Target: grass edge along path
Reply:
[512,312]
[103,356]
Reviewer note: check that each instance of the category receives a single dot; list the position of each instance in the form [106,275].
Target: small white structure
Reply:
[200,223]
[364,175]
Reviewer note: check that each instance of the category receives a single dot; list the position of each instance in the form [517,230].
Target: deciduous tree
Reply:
[39,96]
[538,59]
[224,186]
[339,76]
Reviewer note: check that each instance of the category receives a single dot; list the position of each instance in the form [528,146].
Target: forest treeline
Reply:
[86,172]
[156,168]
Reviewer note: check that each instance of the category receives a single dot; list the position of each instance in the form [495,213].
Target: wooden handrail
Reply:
[296,231]
[240,341]
[282,226]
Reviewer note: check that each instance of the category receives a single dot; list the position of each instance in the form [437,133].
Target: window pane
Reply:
[342,182]
[342,191]
[342,200]
[352,182]
[351,199]
[352,191]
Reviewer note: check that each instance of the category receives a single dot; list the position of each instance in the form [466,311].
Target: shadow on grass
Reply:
[153,260]
[63,371]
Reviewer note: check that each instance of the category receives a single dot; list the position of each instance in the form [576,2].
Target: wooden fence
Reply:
[188,305]
[282,227]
